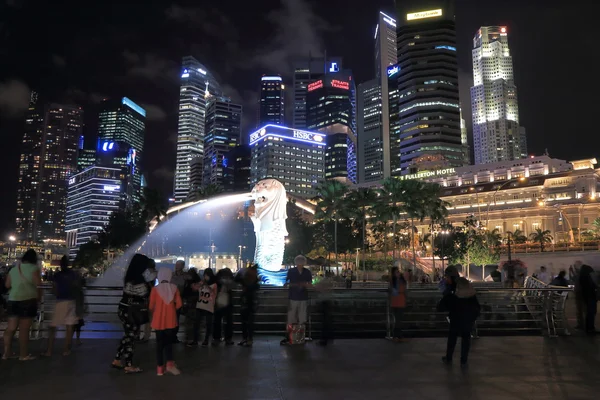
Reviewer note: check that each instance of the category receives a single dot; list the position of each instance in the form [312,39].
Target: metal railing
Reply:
[360,312]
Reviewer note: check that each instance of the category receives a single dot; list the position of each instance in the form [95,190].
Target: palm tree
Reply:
[518,237]
[418,194]
[541,237]
[358,202]
[152,205]
[393,197]
[330,206]
[435,209]
[493,238]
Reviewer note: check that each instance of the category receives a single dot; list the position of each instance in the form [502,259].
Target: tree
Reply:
[152,205]
[493,238]
[596,227]
[206,192]
[123,229]
[358,202]
[393,197]
[299,235]
[89,255]
[518,237]
[541,237]
[330,206]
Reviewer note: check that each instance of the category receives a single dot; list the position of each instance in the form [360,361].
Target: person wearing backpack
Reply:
[463,309]
[22,282]
[165,300]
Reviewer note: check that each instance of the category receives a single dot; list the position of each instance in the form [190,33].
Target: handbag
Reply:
[138,314]
[297,333]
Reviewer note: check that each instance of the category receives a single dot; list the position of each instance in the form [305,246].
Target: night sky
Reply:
[83,51]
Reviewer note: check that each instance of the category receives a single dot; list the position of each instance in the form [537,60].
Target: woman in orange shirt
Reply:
[165,300]
[397,301]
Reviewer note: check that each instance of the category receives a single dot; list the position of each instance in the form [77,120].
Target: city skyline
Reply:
[160,107]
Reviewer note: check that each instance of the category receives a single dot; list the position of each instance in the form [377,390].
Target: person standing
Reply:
[463,309]
[151,282]
[205,307]
[165,300]
[589,296]
[80,307]
[180,276]
[223,307]
[190,298]
[249,300]
[133,310]
[579,303]
[299,280]
[397,302]
[23,282]
[544,276]
[66,287]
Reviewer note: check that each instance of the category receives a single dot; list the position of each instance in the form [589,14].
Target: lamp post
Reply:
[212,255]
[487,216]
[240,265]
[508,242]
[443,233]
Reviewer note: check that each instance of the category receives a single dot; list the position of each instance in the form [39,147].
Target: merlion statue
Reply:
[270,203]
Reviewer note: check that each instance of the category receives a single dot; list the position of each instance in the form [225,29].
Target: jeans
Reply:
[247,315]
[208,317]
[225,313]
[465,344]
[398,316]
[178,319]
[164,346]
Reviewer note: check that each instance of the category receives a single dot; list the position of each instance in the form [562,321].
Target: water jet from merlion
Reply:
[217,233]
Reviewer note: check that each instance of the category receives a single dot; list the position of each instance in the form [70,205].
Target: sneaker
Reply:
[192,344]
[205,344]
[172,369]
[242,343]
[160,371]
[248,343]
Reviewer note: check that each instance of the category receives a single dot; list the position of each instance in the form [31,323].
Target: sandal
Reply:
[133,370]
[27,358]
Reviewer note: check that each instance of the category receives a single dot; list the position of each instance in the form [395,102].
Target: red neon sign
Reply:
[315,85]
[340,84]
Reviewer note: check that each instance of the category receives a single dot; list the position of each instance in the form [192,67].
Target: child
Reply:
[205,307]
[165,300]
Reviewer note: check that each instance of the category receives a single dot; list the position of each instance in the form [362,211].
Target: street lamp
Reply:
[487,216]
[240,266]
[212,255]
[443,233]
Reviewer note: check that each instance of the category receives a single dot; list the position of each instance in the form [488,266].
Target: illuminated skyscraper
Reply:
[307,71]
[369,124]
[272,102]
[123,121]
[197,84]
[427,123]
[331,109]
[292,156]
[223,133]
[497,135]
[48,159]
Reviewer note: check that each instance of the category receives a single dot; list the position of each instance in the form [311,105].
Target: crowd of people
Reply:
[156,299]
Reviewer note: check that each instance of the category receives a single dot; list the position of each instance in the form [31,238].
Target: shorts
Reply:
[297,311]
[64,313]
[22,309]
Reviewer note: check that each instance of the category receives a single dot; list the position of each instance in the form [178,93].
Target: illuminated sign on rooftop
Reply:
[203,72]
[297,135]
[340,84]
[271,78]
[333,67]
[428,174]
[392,70]
[315,85]
[133,106]
[424,14]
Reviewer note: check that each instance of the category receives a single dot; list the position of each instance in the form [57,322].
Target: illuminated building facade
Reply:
[331,109]
[94,195]
[497,135]
[426,124]
[223,133]
[197,85]
[124,122]
[48,159]
[236,169]
[272,101]
[85,159]
[385,56]
[369,135]
[292,156]
[306,72]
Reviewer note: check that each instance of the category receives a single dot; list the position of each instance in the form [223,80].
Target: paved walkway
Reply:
[500,368]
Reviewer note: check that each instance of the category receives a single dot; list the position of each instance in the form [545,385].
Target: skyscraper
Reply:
[292,156]
[428,135]
[272,101]
[369,135]
[331,109]
[497,135]
[223,133]
[123,121]
[197,84]
[385,55]
[236,166]
[48,159]
[307,71]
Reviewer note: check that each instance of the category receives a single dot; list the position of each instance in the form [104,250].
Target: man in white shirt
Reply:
[544,276]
